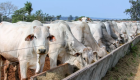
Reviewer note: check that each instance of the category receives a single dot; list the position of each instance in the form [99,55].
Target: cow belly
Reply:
[9,57]
[32,64]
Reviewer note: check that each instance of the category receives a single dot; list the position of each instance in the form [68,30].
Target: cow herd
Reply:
[78,43]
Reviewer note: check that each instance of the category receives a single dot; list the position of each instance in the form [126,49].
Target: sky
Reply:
[89,8]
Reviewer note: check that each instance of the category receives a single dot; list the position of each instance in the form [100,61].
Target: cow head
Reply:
[120,39]
[125,37]
[111,47]
[79,61]
[40,40]
[102,52]
[84,57]
[84,19]
[89,56]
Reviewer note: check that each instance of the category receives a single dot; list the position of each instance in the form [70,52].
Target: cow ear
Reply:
[48,27]
[122,35]
[30,37]
[51,38]
[77,54]
[34,27]
[114,43]
[103,47]
[117,42]
[94,53]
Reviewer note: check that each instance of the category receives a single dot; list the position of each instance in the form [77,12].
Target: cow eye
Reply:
[48,37]
[85,59]
[35,37]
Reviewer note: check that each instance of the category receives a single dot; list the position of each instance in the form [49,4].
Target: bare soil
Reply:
[11,73]
[128,68]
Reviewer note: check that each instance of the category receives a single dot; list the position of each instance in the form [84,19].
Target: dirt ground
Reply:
[128,68]
[11,73]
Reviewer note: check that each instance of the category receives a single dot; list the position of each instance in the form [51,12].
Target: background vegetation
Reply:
[10,12]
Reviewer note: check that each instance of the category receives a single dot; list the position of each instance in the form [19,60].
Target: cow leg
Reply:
[1,61]
[53,60]
[42,66]
[16,71]
[6,68]
[23,70]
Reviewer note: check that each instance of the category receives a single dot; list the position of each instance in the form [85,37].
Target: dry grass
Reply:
[138,34]
[121,44]
[128,68]
[107,52]
[51,76]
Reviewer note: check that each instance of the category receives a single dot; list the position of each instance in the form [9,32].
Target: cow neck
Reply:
[72,45]
[89,38]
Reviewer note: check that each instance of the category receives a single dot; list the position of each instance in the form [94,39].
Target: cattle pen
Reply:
[99,69]
[65,71]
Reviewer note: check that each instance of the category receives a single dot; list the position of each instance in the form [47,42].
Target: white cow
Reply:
[26,44]
[117,32]
[109,28]
[129,28]
[67,48]
[82,33]
[100,34]
[124,31]
[84,19]
[134,28]
[138,31]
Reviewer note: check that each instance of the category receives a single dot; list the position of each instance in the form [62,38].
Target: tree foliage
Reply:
[0,17]
[70,18]
[49,17]
[58,17]
[134,10]
[76,18]
[19,15]
[28,7]
[24,14]
[39,15]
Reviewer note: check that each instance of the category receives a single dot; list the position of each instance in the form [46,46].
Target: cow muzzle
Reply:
[41,51]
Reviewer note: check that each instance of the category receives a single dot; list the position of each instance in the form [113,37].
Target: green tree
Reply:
[0,17]
[70,18]
[134,10]
[39,15]
[76,18]
[49,18]
[58,17]
[28,7]
[19,15]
